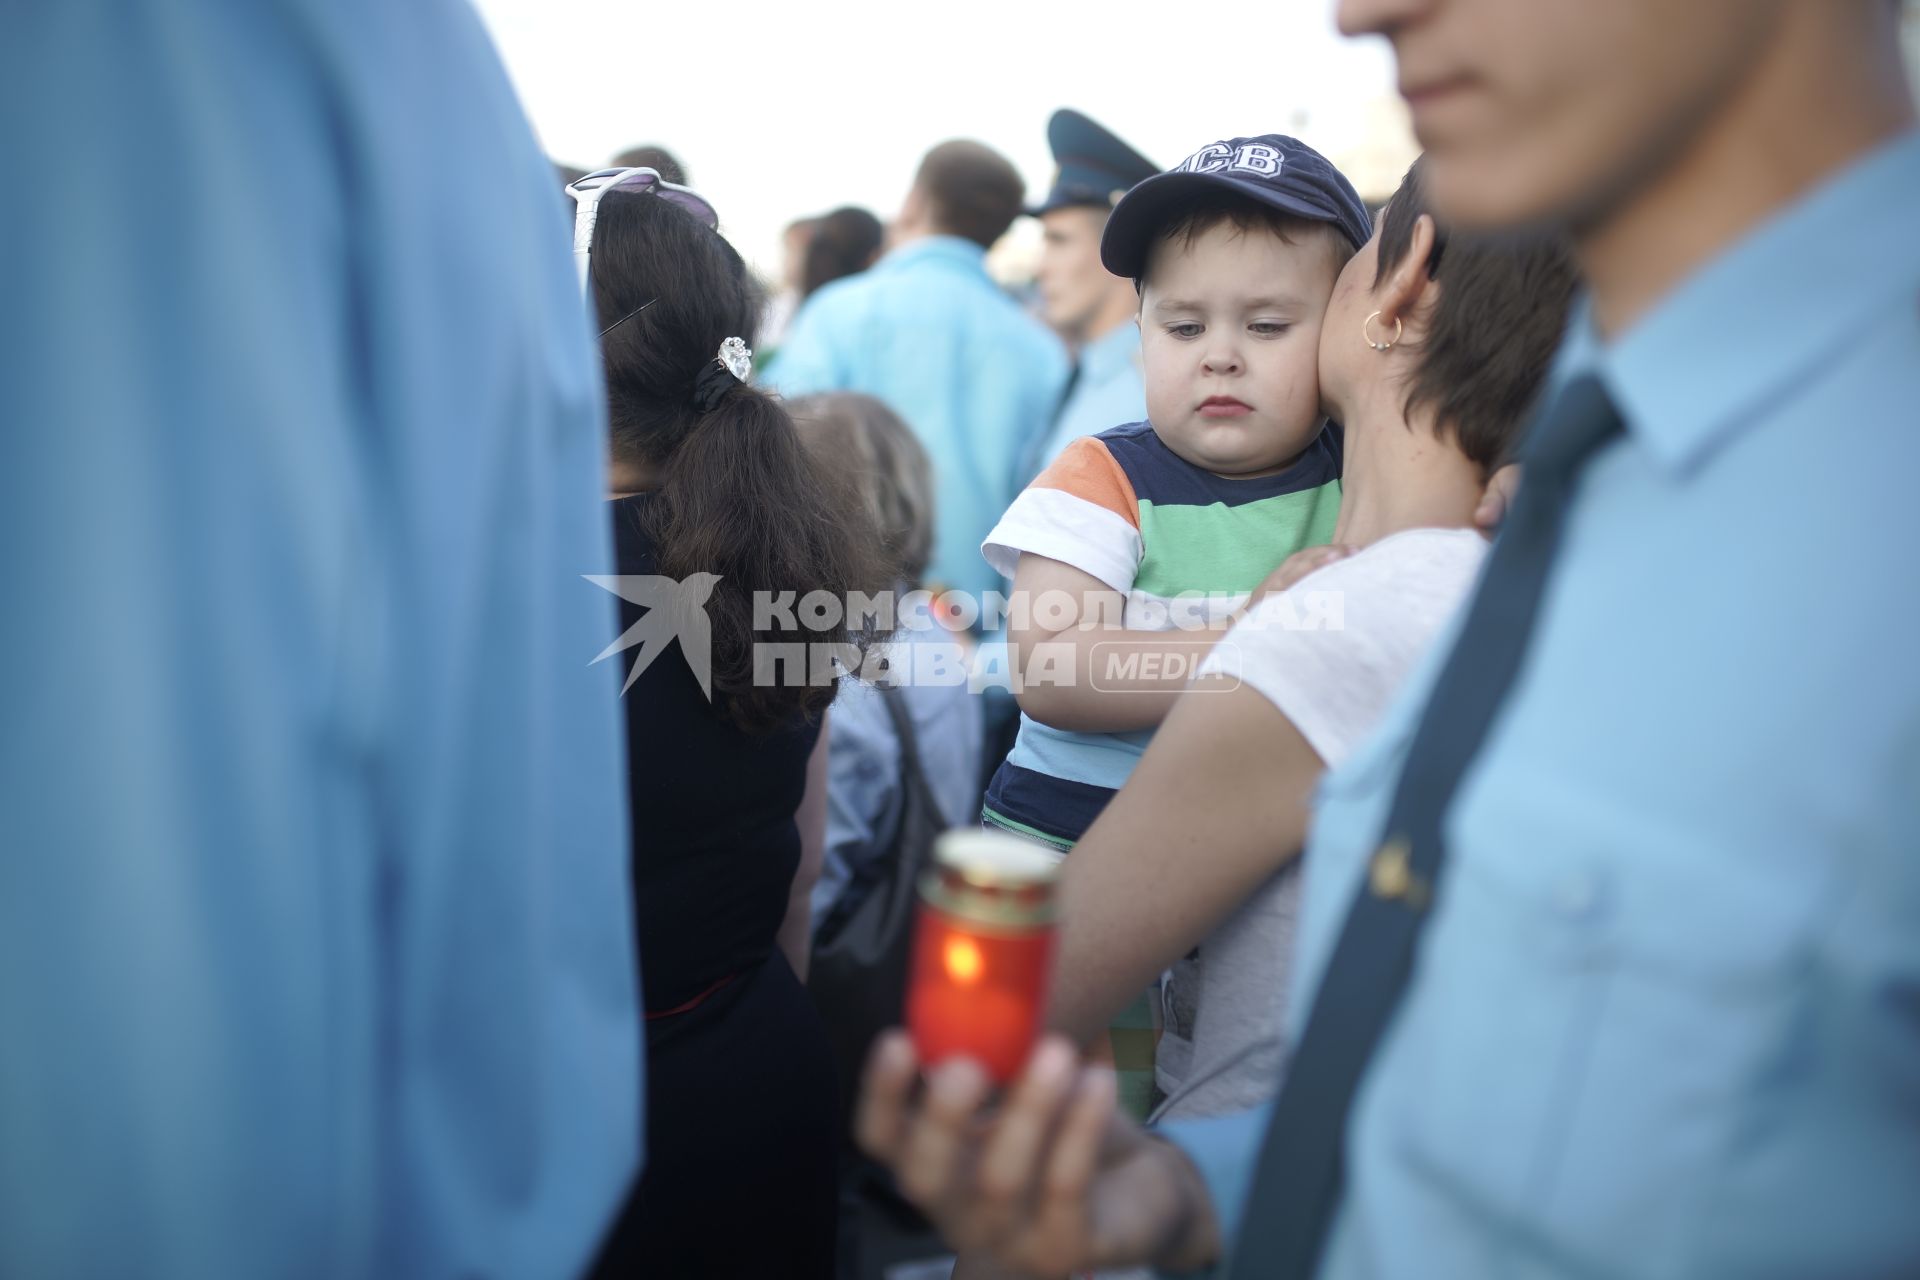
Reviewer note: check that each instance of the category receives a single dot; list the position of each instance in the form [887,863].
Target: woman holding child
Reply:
[1430,351]
[1150,533]
[1430,354]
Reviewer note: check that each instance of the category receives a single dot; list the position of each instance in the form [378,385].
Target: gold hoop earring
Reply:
[1366,331]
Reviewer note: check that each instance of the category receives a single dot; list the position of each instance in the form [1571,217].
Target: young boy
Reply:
[1234,253]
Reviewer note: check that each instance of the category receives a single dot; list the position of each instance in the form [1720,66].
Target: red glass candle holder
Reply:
[982,952]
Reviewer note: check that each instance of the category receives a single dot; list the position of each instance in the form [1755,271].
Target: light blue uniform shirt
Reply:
[1666,1018]
[315,930]
[928,331]
[1108,391]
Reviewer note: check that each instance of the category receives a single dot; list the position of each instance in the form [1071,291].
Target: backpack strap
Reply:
[912,775]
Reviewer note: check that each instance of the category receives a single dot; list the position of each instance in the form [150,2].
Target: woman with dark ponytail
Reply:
[715,504]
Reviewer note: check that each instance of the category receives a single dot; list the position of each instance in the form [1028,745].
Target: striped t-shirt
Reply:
[1126,509]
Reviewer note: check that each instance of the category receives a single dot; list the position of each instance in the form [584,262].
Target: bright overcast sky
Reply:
[784,109]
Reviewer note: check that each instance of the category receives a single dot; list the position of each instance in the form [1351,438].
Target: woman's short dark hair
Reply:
[839,244]
[738,495]
[1502,311]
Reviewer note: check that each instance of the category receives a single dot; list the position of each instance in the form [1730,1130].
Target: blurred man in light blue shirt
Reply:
[928,331]
[316,949]
[1658,1002]
[1663,1018]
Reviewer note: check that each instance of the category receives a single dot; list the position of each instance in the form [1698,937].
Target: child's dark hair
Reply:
[886,463]
[738,495]
[1502,309]
[1204,209]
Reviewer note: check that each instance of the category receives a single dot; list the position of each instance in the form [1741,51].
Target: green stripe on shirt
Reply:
[1219,548]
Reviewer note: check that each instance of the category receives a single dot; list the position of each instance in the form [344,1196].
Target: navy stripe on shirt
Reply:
[1057,808]
[1162,477]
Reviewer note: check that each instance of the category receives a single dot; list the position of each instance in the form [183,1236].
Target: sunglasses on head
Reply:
[587,191]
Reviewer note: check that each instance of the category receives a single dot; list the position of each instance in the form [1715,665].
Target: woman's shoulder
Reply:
[1443,560]
[1407,581]
[1330,650]
[1420,549]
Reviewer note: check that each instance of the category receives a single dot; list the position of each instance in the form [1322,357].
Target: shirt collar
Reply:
[1110,352]
[1754,321]
[950,249]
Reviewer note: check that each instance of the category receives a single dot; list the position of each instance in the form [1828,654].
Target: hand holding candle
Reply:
[982,951]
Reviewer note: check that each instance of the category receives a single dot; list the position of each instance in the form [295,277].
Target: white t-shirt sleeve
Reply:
[1080,511]
[1332,650]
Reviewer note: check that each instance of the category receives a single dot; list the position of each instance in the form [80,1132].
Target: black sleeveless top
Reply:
[715,845]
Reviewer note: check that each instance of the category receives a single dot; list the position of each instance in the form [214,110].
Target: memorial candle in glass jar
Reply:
[983,949]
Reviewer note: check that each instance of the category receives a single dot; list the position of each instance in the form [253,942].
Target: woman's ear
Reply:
[1408,293]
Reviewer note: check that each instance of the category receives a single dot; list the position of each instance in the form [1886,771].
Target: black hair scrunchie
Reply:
[712,386]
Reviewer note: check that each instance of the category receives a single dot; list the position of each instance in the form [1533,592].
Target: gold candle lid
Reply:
[990,878]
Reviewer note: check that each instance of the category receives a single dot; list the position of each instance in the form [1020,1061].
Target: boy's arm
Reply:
[1079,668]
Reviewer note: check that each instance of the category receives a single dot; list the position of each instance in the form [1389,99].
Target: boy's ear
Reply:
[1404,295]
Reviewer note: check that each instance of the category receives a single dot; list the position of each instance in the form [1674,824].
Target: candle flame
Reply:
[965,964]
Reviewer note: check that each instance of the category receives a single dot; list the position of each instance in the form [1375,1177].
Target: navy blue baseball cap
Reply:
[1093,167]
[1272,169]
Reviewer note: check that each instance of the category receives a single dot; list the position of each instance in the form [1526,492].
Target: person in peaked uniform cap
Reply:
[1090,308]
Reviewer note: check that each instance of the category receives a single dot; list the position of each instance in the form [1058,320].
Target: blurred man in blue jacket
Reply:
[315,937]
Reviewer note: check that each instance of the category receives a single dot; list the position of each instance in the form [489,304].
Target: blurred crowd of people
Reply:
[463,700]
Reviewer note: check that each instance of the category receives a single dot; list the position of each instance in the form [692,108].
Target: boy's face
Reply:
[1230,342]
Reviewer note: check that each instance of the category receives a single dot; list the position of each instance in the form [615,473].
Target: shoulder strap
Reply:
[896,704]
[913,778]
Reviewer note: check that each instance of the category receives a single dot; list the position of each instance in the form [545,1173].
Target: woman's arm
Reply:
[1219,802]
[796,932]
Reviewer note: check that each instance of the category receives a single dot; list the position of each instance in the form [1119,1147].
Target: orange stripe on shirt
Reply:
[1087,470]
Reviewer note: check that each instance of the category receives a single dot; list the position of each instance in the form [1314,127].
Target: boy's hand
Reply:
[1052,1181]
[1501,486]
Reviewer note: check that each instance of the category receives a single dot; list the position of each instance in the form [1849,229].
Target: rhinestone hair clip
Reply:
[736,359]
[728,369]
